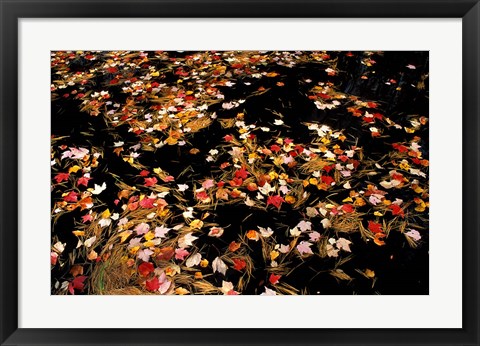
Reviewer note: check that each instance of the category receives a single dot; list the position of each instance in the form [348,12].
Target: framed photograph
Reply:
[255,172]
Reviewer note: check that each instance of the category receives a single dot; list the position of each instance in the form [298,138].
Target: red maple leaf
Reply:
[368,120]
[275,148]
[202,195]
[241,173]
[397,176]
[62,177]
[274,279]
[144,173]
[150,181]
[416,161]
[145,269]
[299,149]
[348,208]
[83,181]
[396,210]
[327,179]
[276,200]
[87,217]
[77,284]
[180,254]
[400,147]
[228,138]
[374,227]
[168,178]
[152,285]
[328,168]
[71,197]
[147,203]
[239,264]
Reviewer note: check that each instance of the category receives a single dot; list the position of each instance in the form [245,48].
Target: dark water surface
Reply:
[399,268]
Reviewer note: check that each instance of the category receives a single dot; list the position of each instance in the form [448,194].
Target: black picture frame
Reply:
[12,11]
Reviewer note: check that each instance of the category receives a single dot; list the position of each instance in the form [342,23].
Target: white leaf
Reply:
[269,292]
[326,223]
[186,240]
[98,189]
[414,234]
[227,286]
[265,232]
[60,247]
[161,231]
[343,244]
[219,266]
[182,187]
[89,242]
[295,232]
[104,222]
[284,248]
[304,225]
[193,260]
[145,254]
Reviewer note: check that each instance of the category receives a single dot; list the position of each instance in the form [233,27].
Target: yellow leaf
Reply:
[171,141]
[124,236]
[417,189]
[149,236]
[274,254]
[149,243]
[359,202]
[405,166]
[106,214]
[181,291]
[196,224]
[377,213]
[164,212]
[273,175]
[313,181]
[348,199]
[155,74]
[79,233]
[172,270]
[290,199]
[369,273]
[203,263]
[74,169]
[420,208]
[134,250]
